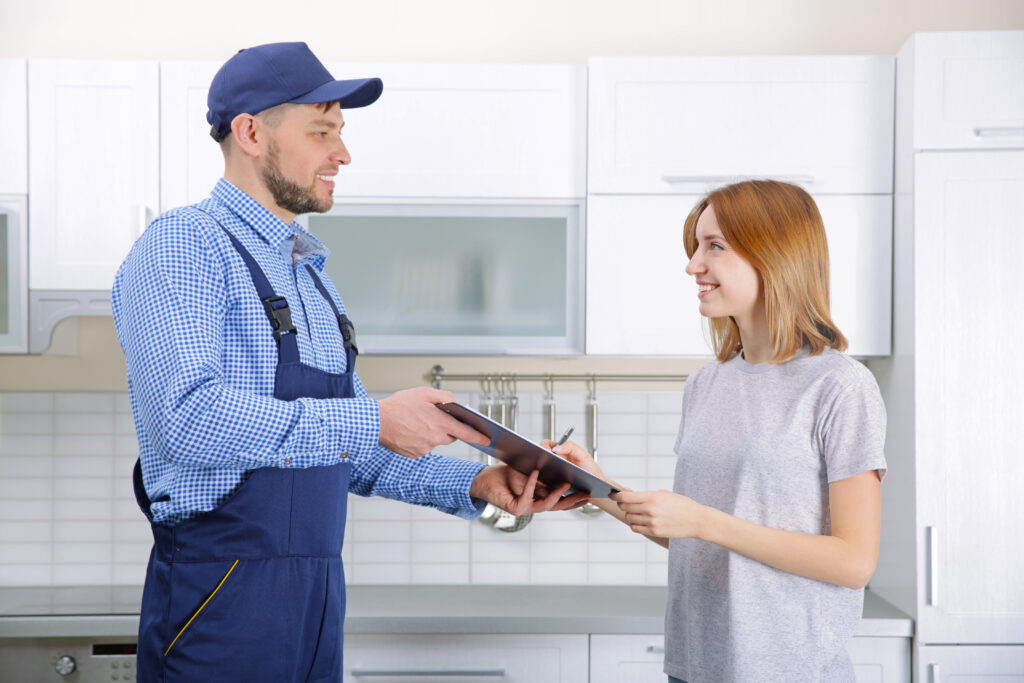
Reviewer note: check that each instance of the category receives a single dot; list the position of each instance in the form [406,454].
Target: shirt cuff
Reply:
[449,483]
[352,427]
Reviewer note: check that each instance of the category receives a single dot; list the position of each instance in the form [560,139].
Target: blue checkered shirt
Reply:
[201,360]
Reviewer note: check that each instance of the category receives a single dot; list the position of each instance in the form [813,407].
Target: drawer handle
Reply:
[656,649]
[932,538]
[446,673]
[720,179]
[999,132]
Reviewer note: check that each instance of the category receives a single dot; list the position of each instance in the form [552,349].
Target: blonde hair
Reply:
[777,228]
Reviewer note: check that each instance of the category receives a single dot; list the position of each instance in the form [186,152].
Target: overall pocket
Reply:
[198,611]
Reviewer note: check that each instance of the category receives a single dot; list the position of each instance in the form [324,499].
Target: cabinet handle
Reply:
[933,673]
[724,179]
[933,565]
[1013,131]
[409,673]
[145,217]
[656,649]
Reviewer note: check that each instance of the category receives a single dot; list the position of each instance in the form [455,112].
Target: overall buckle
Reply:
[280,317]
[348,331]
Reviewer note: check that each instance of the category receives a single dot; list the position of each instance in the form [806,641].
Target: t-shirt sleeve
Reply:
[852,431]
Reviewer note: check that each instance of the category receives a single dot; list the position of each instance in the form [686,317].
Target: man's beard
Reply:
[289,195]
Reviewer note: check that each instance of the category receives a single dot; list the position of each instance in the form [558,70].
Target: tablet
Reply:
[524,455]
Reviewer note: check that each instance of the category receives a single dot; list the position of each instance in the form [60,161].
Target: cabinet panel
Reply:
[640,658]
[683,124]
[93,168]
[427,658]
[13,126]
[190,161]
[969,89]
[468,130]
[971,664]
[969,393]
[641,301]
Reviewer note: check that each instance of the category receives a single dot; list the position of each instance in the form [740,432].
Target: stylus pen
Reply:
[565,437]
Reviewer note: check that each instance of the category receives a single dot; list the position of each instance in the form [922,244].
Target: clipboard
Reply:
[523,455]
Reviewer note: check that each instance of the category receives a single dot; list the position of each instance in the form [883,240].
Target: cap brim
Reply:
[351,94]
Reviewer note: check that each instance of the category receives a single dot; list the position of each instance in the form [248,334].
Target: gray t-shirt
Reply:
[763,442]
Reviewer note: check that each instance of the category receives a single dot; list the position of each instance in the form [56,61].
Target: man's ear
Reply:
[247,132]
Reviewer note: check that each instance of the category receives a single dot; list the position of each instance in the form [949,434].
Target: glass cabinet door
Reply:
[13,277]
[481,278]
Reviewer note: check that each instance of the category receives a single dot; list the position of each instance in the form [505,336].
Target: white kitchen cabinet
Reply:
[93,167]
[955,391]
[13,127]
[976,664]
[954,386]
[664,125]
[467,130]
[968,89]
[457,657]
[190,160]
[640,301]
[640,659]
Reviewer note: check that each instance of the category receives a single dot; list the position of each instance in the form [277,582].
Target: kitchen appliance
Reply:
[82,634]
[13,274]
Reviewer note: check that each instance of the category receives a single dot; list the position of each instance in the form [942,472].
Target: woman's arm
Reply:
[847,557]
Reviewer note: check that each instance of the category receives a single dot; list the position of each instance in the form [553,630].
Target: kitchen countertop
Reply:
[113,611]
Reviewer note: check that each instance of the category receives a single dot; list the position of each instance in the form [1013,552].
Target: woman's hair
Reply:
[777,228]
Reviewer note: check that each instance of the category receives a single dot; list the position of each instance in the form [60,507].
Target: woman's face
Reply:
[727,284]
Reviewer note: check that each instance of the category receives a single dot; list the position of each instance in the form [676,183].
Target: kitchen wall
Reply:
[68,515]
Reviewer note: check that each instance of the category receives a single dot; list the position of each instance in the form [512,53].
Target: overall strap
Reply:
[276,307]
[348,330]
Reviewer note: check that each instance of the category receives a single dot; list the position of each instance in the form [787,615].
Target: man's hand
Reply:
[514,492]
[411,424]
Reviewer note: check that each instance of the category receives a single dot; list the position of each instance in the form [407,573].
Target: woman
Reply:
[774,522]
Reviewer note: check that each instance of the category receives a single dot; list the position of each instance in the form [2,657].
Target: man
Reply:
[252,423]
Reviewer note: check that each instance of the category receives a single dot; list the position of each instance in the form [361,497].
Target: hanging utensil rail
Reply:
[438,376]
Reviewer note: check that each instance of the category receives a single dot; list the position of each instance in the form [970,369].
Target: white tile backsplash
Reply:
[68,514]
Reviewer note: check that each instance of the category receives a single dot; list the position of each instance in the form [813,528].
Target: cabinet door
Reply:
[667,125]
[971,664]
[968,89]
[641,301]
[93,168]
[880,660]
[477,658]
[190,161]
[627,658]
[13,127]
[467,130]
[969,395]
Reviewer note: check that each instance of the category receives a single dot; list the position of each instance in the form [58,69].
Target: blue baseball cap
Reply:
[261,77]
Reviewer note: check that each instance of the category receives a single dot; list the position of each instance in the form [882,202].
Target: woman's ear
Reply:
[247,132]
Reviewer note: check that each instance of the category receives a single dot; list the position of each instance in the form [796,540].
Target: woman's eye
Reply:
[716,245]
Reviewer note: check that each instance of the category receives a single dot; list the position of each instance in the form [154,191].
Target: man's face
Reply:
[302,155]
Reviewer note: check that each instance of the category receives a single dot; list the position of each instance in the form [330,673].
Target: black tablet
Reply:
[524,455]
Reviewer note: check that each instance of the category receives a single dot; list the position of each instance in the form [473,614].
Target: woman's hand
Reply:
[661,513]
[577,455]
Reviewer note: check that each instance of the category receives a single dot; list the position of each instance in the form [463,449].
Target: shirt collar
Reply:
[294,241]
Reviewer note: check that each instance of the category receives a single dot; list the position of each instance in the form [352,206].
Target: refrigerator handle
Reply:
[933,565]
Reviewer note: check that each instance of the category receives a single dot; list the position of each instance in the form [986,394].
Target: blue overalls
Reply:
[254,590]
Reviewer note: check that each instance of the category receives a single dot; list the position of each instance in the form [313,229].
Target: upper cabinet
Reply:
[468,130]
[190,161]
[13,127]
[93,167]
[666,125]
[967,89]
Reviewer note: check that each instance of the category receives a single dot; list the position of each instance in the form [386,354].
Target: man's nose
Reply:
[341,154]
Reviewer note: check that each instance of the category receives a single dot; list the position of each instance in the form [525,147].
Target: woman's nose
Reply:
[694,266]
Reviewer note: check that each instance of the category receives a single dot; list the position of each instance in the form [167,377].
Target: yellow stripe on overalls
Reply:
[200,608]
